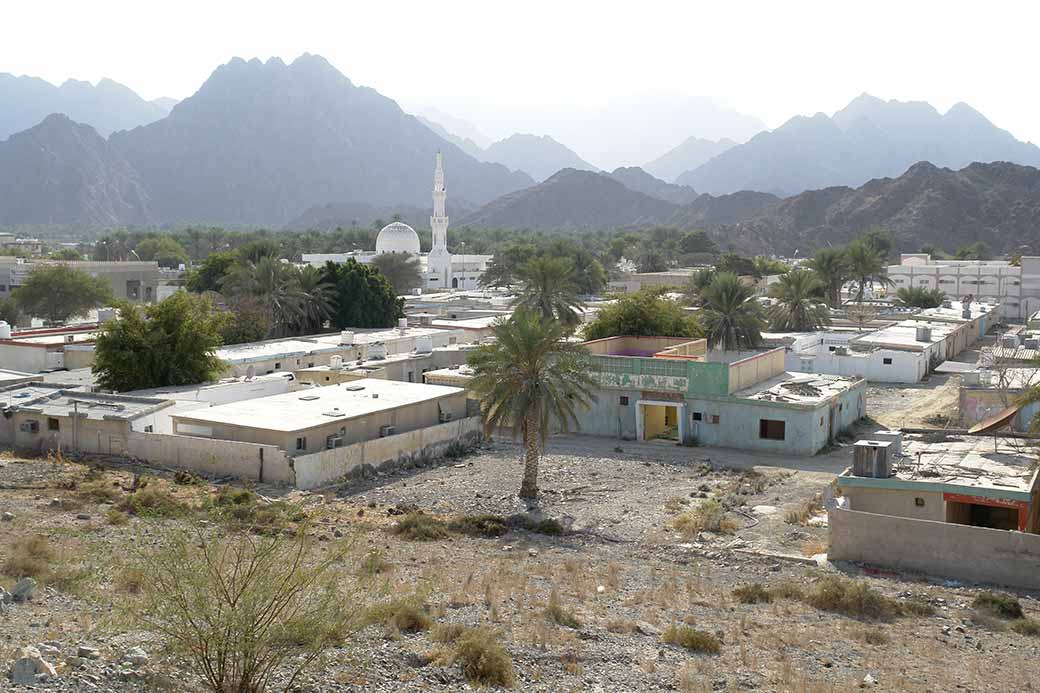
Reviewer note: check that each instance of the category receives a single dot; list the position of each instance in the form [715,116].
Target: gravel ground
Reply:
[621,570]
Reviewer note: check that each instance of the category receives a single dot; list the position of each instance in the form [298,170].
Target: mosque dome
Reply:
[397,237]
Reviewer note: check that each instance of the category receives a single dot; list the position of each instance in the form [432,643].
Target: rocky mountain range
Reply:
[996,203]
[360,214]
[869,138]
[538,157]
[61,172]
[690,154]
[635,178]
[107,106]
[572,199]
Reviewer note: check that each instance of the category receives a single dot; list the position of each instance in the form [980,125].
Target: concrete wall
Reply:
[976,404]
[904,366]
[329,465]
[960,552]
[94,436]
[79,356]
[212,457]
[897,502]
[21,357]
[754,369]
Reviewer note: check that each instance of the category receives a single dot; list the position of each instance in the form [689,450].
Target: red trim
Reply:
[1021,506]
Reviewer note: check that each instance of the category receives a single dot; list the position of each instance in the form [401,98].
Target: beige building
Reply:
[407,367]
[132,281]
[48,349]
[327,417]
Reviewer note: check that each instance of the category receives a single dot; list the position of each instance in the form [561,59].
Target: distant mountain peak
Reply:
[539,156]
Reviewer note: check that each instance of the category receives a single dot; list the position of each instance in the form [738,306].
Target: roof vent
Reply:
[335,413]
[355,388]
[309,398]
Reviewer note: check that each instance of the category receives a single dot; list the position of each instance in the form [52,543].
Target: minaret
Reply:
[438,262]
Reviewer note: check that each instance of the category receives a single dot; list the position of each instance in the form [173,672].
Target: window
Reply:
[887,362]
[714,418]
[278,365]
[771,429]
[919,502]
[623,400]
[310,364]
[53,425]
[301,443]
[697,416]
[411,376]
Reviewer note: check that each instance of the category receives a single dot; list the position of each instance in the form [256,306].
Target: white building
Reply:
[1016,289]
[440,268]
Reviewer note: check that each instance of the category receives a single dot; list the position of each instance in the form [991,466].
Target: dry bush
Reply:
[691,639]
[753,593]
[573,663]
[405,615]
[556,613]
[448,633]
[130,579]
[709,516]
[483,659]
[851,598]
[36,557]
[374,564]
[241,508]
[1026,626]
[153,501]
[787,590]
[116,518]
[487,526]
[801,514]
[547,526]
[872,636]
[676,504]
[815,546]
[241,607]
[99,491]
[621,626]
[418,526]
[999,605]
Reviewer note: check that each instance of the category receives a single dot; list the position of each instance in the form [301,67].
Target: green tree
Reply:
[547,287]
[974,251]
[699,281]
[832,267]
[59,292]
[919,297]
[9,312]
[272,283]
[698,242]
[736,264]
[797,307]
[501,271]
[163,250]
[651,259]
[315,299]
[247,321]
[402,270]
[209,275]
[880,240]
[66,255]
[866,266]
[766,266]
[731,315]
[173,342]
[643,313]
[362,297]
[530,379]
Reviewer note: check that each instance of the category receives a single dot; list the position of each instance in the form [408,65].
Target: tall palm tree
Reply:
[732,316]
[866,266]
[548,287]
[530,378]
[832,267]
[699,281]
[315,298]
[797,307]
[919,297]
[270,282]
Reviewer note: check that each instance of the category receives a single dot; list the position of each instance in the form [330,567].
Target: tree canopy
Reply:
[548,288]
[731,315]
[643,313]
[59,292]
[362,296]
[919,297]
[163,250]
[798,306]
[402,270]
[172,342]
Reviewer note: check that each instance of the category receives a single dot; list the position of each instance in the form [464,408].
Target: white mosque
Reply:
[441,270]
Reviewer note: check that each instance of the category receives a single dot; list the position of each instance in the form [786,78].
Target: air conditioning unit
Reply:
[31,426]
[445,416]
[385,431]
[333,441]
[841,351]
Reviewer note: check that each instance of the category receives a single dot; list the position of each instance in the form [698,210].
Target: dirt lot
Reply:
[621,569]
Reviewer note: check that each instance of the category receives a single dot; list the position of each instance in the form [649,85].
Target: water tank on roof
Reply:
[336,361]
[402,325]
[5,330]
[346,338]
[423,344]
[377,351]
[924,333]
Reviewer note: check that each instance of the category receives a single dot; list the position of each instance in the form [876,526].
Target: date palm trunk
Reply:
[532,452]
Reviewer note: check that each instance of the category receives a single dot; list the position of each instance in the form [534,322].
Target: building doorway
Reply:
[661,421]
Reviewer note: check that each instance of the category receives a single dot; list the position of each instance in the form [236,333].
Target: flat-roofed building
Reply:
[133,281]
[47,349]
[327,417]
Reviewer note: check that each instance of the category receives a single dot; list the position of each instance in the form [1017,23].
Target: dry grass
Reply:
[483,659]
[801,514]
[99,491]
[36,557]
[851,598]
[691,639]
[487,526]
[1026,626]
[872,636]
[709,516]
[815,546]
[676,504]
[556,612]
[116,518]
[753,593]
[406,615]
[419,527]
[999,605]
[155,501]
[374,564]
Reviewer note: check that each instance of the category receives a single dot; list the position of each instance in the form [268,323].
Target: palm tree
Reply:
[866,266]
[732,316]
[832,267]
[919,297]
[529,379]
[797,307]
[548,288]
[699,281]
[270,282]
[315,298]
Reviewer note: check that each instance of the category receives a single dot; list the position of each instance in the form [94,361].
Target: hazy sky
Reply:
[494,63]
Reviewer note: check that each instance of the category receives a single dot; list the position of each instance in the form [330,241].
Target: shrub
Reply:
[405,615]
[916,607]
[30,557]
[448,633]
[787,590]
[242,508]
[99,491]
[851,598]
[1026,626]
[754,593]
[484,661]
[691,639]
[152,501]
[418,526]
[374,564]
[873,636]
[488,526]
[239,608]
[801,514]
[116,517]
[556,613]
[998,604]
[709,516]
